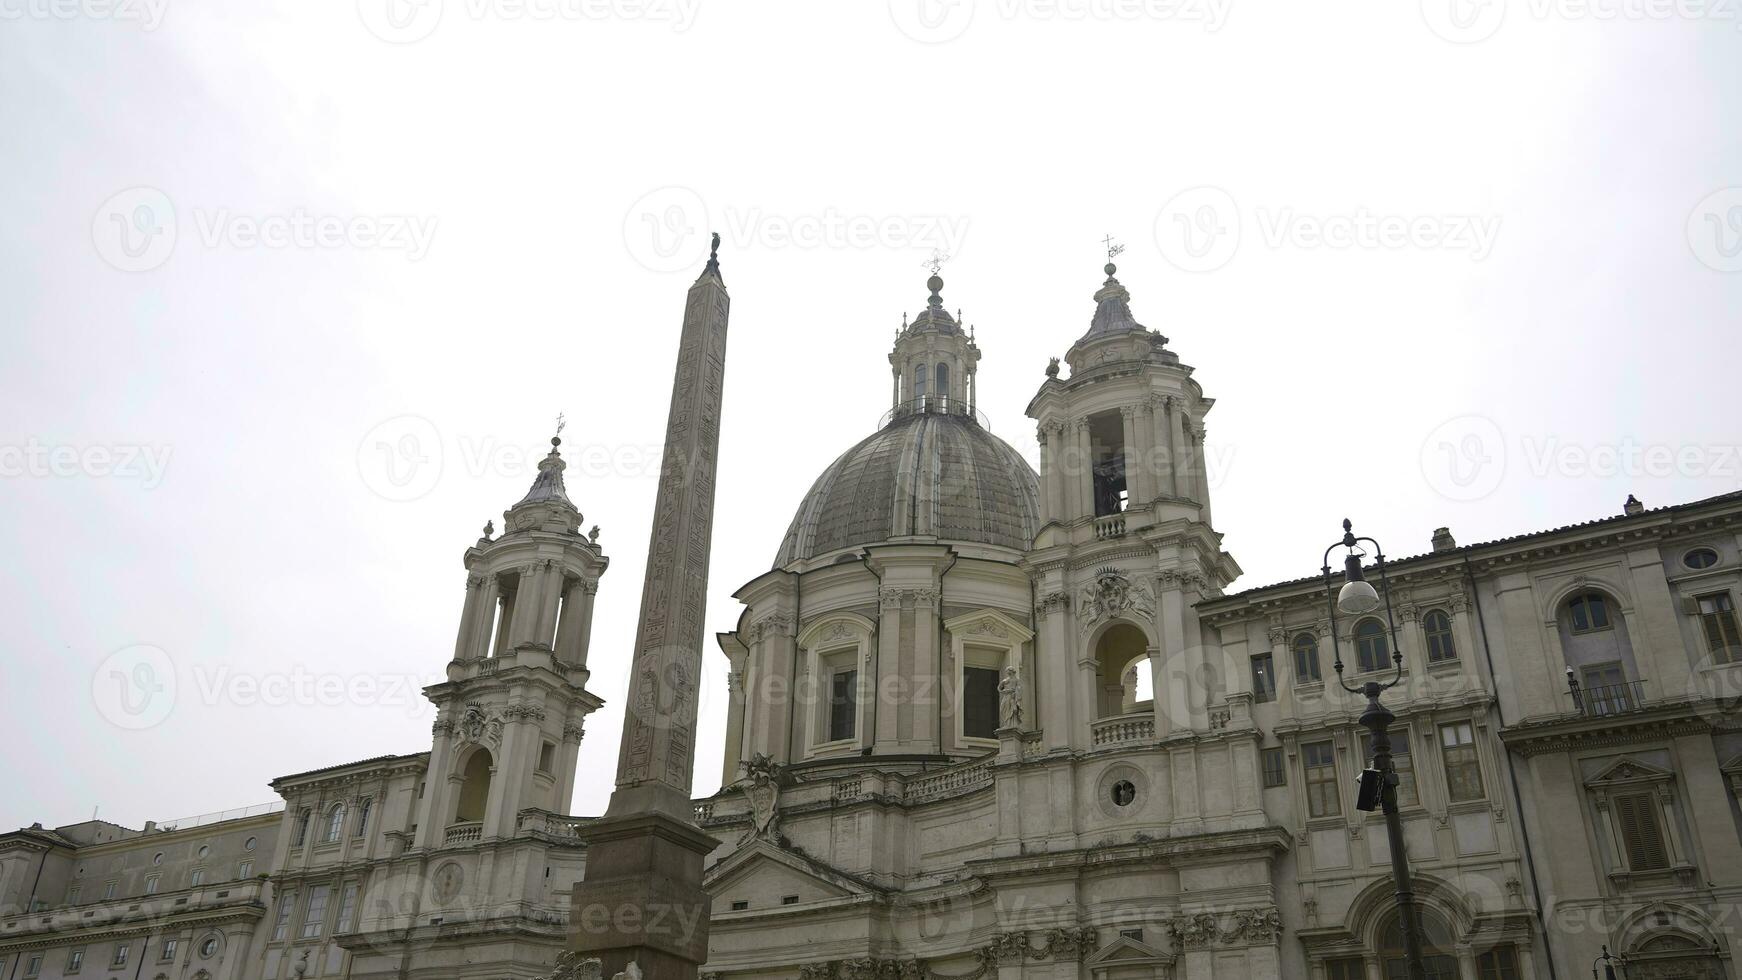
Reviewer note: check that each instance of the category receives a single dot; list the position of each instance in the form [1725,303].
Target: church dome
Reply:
[926,474]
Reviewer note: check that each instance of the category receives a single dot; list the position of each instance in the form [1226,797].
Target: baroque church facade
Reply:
[988,722]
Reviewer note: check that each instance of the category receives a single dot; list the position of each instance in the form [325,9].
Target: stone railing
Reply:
[1109,526]
[1127,728]
[464,833]
[846,789]
[970,776]
[552,824]
[704,811]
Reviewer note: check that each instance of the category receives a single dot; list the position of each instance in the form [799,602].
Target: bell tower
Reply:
[509,717]
[1126,547]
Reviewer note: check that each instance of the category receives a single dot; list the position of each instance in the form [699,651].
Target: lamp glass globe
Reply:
[1357,597]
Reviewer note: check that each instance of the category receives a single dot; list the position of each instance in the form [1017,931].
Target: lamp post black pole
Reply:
[1377,720]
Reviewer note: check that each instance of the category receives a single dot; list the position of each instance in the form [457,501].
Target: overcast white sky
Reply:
[1470,265]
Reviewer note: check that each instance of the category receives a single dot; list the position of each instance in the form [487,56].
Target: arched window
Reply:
[1437,627]
[1372,652]
[1437,960]
[918,381]
[1306,659]
[335,822]
[943,388]
[1588,613]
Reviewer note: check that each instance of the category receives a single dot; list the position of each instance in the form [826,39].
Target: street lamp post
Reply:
[1357,597]
[1608,960]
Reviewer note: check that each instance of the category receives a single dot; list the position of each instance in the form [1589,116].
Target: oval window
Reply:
[249,844]
[1124,791]
[1700,558]
[209,947]
[157,858]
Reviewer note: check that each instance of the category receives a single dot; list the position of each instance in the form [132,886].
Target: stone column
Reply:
[1176,447]
[548,604]
[1201,469]
[1051,695]
[928,671]
[892,689]
[1145,468]
[1134,482]
[1085,466]
[1048,503]
[646,853]
[489,599]
[468,615]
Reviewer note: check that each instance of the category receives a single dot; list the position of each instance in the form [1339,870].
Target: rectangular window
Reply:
[740,905]
[314,919]
[245,870]
[1463,768]
[1346,968]
[75,960]
[1401,760]
[281,926]
[108,890]
[33,966]
[1306,659]
[197,877]
[73,895]
[151,883]
[1718,619]
[348,907]
[1499,963]
[1263,678]
[980,702]
[789,899]
[1641,834]
[546,757]
[368,805]
[302,818]
[1271,761]
[843,705]
[1320,761]
[120,958]
[168,951]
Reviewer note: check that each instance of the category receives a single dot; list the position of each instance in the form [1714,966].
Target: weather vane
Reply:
[1112,249]
[937,260]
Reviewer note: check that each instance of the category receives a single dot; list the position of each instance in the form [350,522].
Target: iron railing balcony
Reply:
[1608,699]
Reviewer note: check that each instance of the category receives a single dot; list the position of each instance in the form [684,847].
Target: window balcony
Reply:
[1109,526]
[469,832]
[1122,730]
[1607,700]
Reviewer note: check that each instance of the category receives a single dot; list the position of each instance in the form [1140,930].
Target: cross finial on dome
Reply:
[1113,250]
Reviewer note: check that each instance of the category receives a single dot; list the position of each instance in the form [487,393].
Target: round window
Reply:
[204,850]
[1124,791]
[249,844]
[1700,558]
[209,948]
[157,858]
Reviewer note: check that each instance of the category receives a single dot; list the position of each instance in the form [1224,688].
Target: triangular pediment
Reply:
[1127,950]
[1629,770]
[1734,765]
[989,623]
[763,875]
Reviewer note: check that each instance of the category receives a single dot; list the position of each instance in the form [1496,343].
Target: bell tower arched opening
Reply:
[474,786]
[1119,655]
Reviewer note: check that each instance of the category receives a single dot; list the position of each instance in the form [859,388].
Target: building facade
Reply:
[987,721]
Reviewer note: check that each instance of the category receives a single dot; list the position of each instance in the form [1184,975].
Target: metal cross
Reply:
[1112,249]
[936,262]
[560,422]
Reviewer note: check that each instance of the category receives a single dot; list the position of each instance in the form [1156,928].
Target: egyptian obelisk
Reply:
[642,900]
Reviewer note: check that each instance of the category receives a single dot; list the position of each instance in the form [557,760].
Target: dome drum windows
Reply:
[837,651]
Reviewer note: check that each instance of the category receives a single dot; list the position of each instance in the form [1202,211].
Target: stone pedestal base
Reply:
[642,898]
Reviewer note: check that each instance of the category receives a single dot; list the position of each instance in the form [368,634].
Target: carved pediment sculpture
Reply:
[480,725]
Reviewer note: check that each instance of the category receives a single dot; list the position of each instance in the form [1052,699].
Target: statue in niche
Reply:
[1010,699]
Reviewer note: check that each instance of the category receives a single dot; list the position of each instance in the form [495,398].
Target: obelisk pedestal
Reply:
[641,900]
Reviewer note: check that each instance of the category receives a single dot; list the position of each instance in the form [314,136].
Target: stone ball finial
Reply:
[936,285]
[1110,268]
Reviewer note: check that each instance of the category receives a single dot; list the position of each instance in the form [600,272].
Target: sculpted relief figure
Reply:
[1010,699]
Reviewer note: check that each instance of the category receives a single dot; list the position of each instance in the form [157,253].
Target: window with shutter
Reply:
[1641,835]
